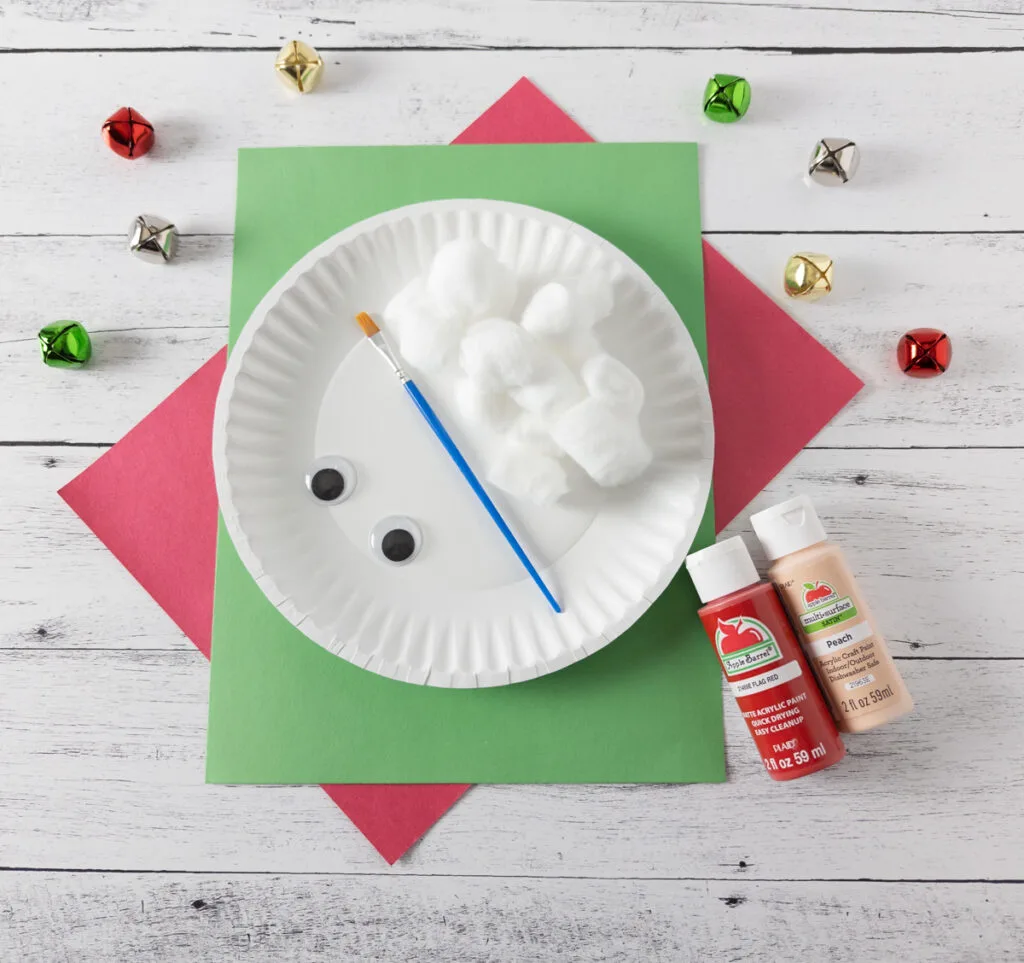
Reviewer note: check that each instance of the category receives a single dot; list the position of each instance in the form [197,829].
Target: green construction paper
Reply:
[646,708]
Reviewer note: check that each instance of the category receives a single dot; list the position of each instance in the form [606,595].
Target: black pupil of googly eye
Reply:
[327,484]
[398,545]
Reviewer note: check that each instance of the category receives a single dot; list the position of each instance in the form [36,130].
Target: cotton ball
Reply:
[594,297]
[554,389]
[610,381]
[532,430]
[467,280]
[427,337]
[562,318]
[549,311]
[429,341]
[547,398]
[499,354]
[528,473]
[606,445]
[407,306]
[484,409]
[576,347]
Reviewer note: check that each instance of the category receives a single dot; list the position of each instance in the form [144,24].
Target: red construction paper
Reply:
[151,500]
[773,387]
[394,817]
[164,532]
[524,116]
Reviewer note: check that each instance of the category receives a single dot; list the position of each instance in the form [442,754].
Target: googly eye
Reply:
[330,480]
[396,540]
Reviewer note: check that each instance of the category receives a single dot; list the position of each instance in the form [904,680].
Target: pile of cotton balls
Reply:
[540,387]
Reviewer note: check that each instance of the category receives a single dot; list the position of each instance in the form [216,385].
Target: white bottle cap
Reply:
[721,569]
[788,527]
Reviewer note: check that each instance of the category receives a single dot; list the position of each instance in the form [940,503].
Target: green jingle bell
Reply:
[65,344]
[726,98]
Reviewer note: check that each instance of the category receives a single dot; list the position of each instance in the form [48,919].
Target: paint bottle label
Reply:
[850,658]
[773,686]
[852,663]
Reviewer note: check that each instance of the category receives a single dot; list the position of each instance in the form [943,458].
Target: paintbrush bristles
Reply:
[367,324]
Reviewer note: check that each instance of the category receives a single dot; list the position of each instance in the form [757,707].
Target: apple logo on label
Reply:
[815,592]
[736,635]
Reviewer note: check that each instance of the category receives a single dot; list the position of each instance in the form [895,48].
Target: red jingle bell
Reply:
[924,352]
[128,133]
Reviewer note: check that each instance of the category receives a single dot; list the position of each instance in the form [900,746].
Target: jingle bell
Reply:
[834,161]
[726,98]
[153,238]
[808,276]
[924,352]
[299,66]
[65,344]
[128,133]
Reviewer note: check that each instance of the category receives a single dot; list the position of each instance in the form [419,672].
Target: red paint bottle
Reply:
[763,663]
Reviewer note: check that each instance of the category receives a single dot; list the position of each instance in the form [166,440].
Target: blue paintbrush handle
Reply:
[478,489]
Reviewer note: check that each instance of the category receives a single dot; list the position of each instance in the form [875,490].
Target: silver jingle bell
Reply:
[153,238]
[834,161]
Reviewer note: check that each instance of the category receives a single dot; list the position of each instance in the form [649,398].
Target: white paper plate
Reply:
[302,383]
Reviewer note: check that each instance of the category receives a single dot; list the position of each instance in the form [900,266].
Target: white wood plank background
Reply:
[919,117]
[208,919]
[111,846]
[394,24]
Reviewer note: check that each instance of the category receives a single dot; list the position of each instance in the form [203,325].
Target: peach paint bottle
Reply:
[849,656]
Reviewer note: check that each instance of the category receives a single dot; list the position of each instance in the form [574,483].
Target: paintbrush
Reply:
[376,337]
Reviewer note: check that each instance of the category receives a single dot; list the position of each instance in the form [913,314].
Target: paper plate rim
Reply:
[398,670]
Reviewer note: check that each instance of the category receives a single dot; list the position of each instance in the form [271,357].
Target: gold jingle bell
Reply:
[808,276]
[299,66]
